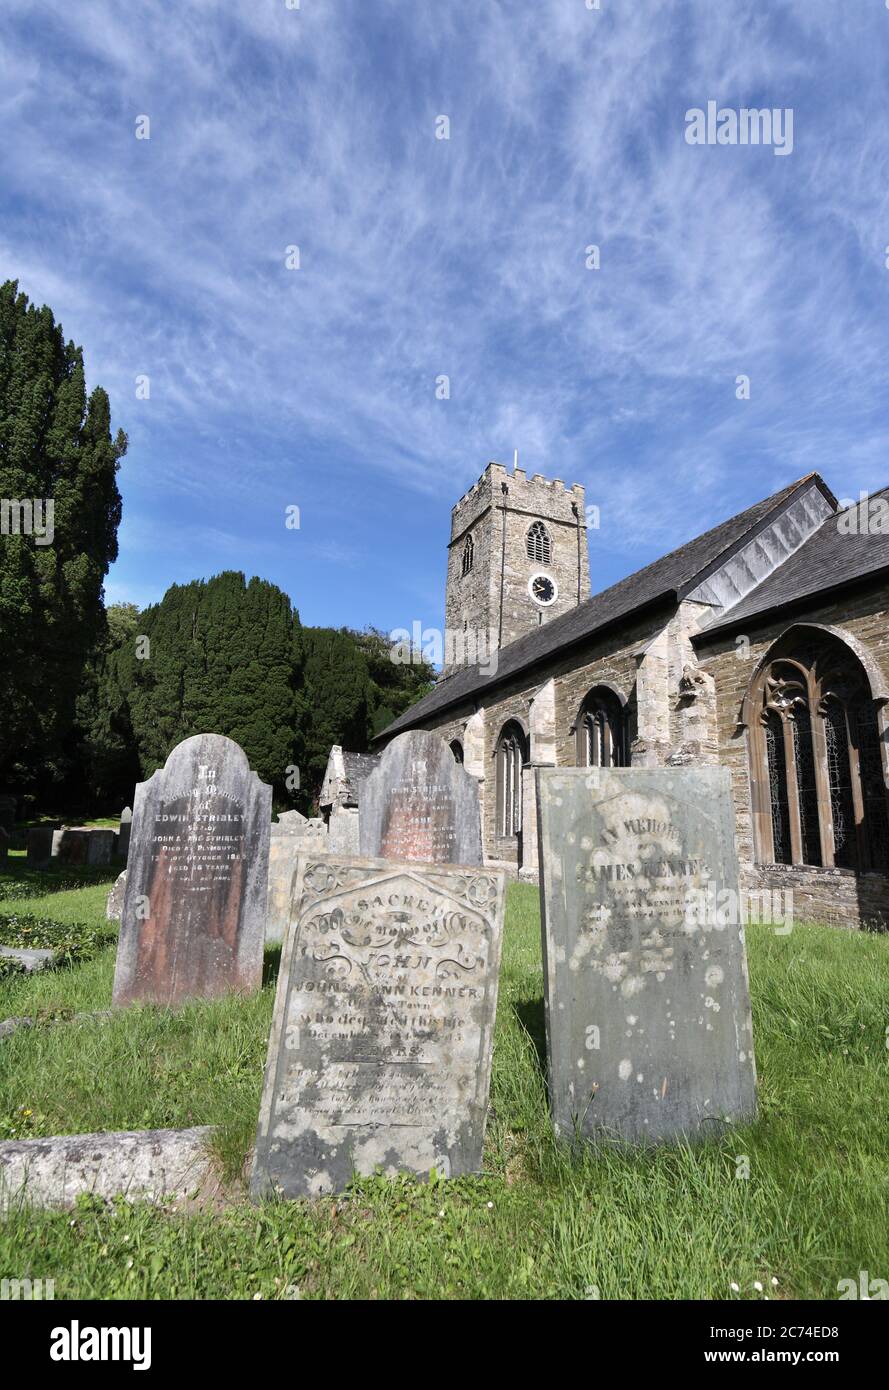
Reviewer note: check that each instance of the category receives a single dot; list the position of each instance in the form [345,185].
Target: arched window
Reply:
[819,795]
[468,553]
[457,750]
[511,756]
[601,730]
[539,546]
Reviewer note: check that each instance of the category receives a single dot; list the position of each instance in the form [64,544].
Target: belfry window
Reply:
[538,544]
[511,756]
[601,731]
[819,794]
[468,552]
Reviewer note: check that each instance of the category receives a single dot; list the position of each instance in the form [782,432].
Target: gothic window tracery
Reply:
[538,544]
[600,730]
[511,756]
[818,785]
[468,555]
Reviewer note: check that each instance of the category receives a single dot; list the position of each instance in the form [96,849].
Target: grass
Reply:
[542,1221]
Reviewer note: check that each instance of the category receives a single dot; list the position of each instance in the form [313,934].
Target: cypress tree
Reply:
[336,689]
[55,445]
[221,658]
[107,766]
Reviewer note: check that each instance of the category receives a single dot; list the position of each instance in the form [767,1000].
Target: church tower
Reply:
[517,558]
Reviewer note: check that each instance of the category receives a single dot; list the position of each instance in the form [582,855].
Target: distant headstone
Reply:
[39,846]
[193,921]
[380,1049]
[647,1007]
[342,831]
[292,834]
[114,901]
[82,844]
[420,804]
[122,848]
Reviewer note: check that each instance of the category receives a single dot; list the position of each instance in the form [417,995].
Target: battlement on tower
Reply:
[537,495]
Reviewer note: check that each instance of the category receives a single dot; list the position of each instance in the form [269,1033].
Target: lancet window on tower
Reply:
[539,545]
[468,555]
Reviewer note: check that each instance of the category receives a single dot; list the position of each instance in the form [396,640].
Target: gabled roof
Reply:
[664,581]
[834,556]
[344,774]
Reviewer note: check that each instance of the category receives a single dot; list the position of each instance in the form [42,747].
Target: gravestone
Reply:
[647,1008]
[114,901]
[193,921]
[122,848]
[292,834]
[380,1049]
[82,844]
[420,804]
[39,846]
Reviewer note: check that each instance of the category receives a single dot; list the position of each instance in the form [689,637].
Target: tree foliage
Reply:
[55,446]
[218,656]
[107,764]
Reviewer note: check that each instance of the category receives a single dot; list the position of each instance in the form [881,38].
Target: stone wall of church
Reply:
[470,599]
[561,509]
[655,645]
[834,896]
[497,513]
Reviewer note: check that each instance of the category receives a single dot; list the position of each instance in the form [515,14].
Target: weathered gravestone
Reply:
[82,844]
[292,834]
[647,1008]
[114,901]
[380,1049]
[193,921]
[39,846]
[122,847]
[420,804]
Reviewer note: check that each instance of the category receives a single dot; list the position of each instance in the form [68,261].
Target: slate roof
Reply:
[664,580]
[830,559]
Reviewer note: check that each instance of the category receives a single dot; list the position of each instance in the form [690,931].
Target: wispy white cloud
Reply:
[463,257]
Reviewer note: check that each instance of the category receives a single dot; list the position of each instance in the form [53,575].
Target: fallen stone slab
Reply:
[11,1025]
[30,957]
[146,1165]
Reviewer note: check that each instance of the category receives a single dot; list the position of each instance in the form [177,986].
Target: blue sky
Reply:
[419,257]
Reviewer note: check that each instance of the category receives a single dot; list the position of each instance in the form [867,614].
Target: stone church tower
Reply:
[517,557]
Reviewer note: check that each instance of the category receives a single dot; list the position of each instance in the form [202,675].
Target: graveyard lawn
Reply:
[541,1222]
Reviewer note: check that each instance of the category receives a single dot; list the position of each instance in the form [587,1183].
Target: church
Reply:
[761,645]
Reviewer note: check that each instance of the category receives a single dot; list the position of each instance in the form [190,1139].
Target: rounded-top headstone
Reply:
[193,922]
[420,804]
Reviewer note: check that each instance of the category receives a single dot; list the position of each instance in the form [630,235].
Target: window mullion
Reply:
[822,783]
[864,858]
[793,808]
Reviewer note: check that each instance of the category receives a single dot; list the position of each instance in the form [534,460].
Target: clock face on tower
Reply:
[542,589]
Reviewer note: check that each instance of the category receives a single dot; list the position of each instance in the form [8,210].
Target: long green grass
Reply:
[543,1220]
